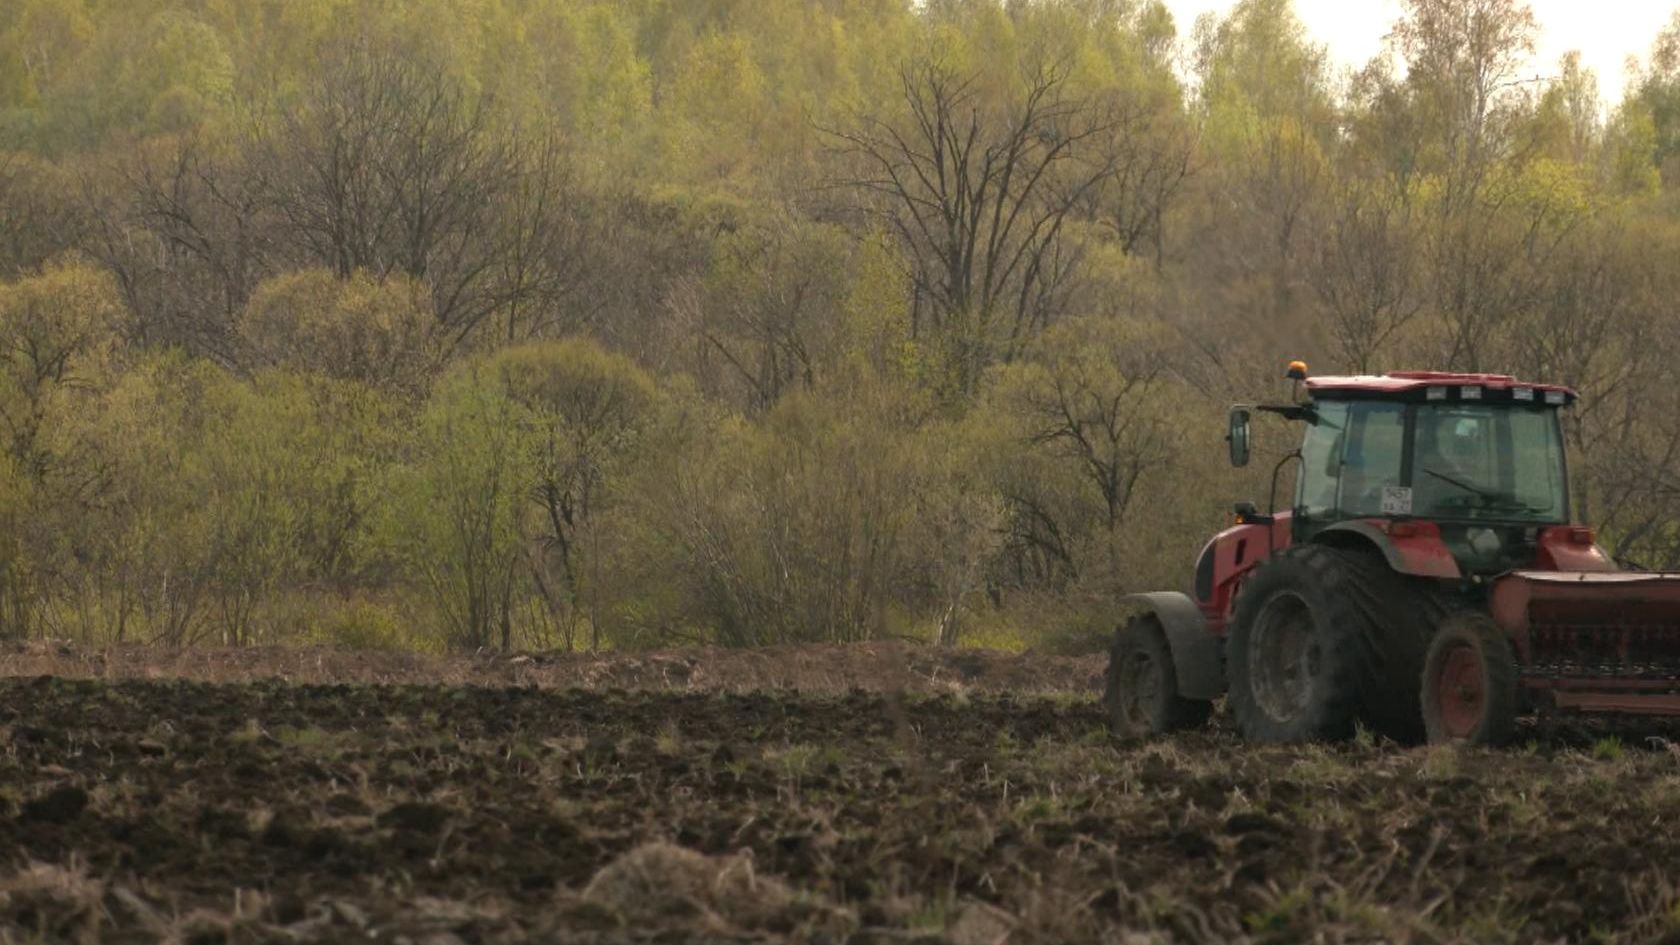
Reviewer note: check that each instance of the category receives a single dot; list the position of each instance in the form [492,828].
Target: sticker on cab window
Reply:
[1397,500]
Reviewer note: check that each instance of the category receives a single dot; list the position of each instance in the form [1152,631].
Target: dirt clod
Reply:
[980,924]
[415,816]
[60,805]
[1241,824]
[658,880]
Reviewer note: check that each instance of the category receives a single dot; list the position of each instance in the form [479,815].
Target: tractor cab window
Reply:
[1351,459]
[1321,459]
[1371,459]
[1478,462]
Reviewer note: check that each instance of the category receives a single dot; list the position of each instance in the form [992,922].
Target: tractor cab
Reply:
[1477,458]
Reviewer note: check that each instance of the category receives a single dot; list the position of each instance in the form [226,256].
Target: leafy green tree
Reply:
[19,591]
[1266,139]
[213,499]
[456,513]
[1630,146]
[1565,125]
[1258,58]
[589,410]
[60,337]
[795,531]
[40,47]
[611,87]
[379,333]
[714,109]
[1657,94]
[1463,59]
[141,532]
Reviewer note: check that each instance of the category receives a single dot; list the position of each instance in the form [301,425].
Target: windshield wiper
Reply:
[1493,500]
[1488,494]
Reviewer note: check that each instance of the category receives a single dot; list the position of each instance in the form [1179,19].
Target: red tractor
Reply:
[1427,581]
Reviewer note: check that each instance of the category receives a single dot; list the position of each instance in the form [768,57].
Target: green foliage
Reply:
[1631,149]
[591,411]
[717,86]
[1657,96]
[60,336]
[378,333]
[612,89]
[467,323]
[454,515]
[794,530]
[363,625]
[212,496]
[18,590]
[1259,58]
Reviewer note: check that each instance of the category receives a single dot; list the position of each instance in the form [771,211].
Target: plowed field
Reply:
[264,811]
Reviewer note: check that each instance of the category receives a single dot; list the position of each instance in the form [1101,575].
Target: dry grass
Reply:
[874,667]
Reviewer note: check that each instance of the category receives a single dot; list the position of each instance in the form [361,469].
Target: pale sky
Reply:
[1605,31]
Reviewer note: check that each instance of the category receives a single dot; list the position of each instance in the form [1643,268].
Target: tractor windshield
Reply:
[1467,462]
[1488,463]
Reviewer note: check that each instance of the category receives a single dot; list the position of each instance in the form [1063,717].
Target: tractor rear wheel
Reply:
[1141,691]
[1470,683]
[1309,643]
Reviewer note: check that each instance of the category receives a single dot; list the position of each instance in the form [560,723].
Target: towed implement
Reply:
[1427,581]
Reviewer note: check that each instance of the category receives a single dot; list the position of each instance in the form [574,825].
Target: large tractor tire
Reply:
[1141,693]
[1470,683]
[1321,639]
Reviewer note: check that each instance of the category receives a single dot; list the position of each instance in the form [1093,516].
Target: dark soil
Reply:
[257,812]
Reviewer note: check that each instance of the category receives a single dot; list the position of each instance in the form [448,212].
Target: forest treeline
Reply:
[581,323]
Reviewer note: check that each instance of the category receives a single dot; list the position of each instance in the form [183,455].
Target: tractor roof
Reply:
[1437,385]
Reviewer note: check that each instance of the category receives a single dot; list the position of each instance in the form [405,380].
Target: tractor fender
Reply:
[1420,552]
[1197,654]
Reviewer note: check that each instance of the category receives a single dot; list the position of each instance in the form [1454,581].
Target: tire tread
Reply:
[1376,646]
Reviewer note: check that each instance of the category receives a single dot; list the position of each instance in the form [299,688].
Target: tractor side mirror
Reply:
[1238,437]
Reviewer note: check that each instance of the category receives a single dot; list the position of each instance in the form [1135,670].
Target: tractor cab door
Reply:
[1352,464]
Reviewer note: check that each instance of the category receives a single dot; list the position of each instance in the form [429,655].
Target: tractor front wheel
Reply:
[1141,694]
[1470,683]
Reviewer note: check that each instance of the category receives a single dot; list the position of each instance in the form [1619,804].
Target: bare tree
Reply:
[544,246]
[979,193]
[1489,262]
[1365,270]
[1601,326]
[392,166]
[1149,155]
[207,238]
[1101,420]
[39,218]
[772,311]
[1093,418]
